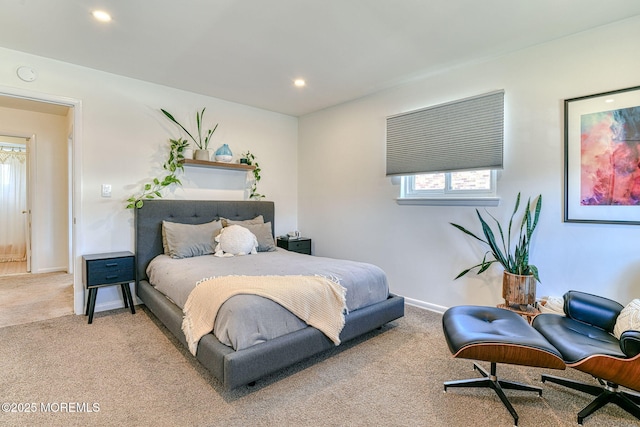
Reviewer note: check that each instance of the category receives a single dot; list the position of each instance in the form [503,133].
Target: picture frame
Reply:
[602,157]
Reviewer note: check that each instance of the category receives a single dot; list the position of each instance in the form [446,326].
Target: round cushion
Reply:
[576,340]
[235,240]
[468,325]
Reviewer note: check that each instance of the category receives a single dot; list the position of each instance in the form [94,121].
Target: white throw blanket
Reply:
[318,301]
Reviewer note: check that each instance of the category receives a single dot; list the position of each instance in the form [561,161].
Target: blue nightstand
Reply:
[108,269]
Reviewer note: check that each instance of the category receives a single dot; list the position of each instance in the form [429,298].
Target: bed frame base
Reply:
[238,368]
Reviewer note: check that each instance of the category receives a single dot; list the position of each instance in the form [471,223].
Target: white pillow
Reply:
[554,305]
[629,319]
[236,240]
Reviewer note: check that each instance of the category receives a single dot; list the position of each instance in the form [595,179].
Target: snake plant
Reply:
[516,260]
[201,143]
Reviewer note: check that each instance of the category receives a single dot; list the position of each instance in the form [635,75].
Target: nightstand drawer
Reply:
[301,245]
[106,271]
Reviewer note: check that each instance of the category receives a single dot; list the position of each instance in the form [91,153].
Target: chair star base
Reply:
[607,392]
[490,380]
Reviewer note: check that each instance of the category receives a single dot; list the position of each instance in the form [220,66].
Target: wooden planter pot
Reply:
[518,289]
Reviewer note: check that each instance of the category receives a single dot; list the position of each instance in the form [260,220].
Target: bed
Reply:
[244,366]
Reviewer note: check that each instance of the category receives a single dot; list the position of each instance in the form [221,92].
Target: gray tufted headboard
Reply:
[148,221]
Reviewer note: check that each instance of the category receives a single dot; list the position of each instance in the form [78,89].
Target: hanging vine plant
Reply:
[152,190]
[251,161]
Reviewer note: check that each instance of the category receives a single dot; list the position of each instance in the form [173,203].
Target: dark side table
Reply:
[301,244]
[528,312]
[108,269]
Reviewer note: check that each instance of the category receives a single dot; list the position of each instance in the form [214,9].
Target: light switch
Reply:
[106,190]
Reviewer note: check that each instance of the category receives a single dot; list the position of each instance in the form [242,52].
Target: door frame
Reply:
[75,171]
[31,153]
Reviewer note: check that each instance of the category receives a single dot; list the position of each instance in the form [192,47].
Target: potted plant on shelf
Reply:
[201,153]
[249,159]
[519,277]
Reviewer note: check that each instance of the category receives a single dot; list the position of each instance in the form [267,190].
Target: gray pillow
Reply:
[257,220]
[189,240]
[264,236]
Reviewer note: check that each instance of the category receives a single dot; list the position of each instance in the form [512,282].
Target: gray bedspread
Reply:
[246,320]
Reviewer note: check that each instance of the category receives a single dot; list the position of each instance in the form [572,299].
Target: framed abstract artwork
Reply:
[602,157]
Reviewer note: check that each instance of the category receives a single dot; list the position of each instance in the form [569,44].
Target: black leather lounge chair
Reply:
[584,338]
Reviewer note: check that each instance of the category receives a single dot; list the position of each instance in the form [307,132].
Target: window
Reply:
[448,151]
[481,183]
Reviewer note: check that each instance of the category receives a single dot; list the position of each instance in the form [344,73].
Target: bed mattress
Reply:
[246,320]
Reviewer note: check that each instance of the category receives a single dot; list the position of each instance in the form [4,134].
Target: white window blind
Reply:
[461,135]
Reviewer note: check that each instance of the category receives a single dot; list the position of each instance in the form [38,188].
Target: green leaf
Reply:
[534,271]
[491,241]
[170,117]
[464,230]
[536,214]
[198,123]
[505,244]
[139,204]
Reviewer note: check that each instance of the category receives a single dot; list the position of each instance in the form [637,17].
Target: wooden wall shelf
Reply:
[217,165]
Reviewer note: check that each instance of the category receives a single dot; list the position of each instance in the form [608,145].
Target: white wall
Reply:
[347,205]
[48,185]
[124,141]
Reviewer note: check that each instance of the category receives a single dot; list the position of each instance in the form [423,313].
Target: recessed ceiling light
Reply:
[101,15]
[299,82]
[608,101]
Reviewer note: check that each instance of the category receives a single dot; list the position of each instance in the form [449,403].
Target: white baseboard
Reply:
[425,305]
[51,270]
[113,304]
[109,305]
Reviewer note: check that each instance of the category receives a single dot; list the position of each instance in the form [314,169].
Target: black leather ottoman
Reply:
[496,335]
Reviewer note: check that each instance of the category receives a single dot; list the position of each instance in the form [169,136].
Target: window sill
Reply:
[450,201]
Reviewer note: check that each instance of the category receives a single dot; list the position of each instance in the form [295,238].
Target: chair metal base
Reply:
[607,392]
[490,380]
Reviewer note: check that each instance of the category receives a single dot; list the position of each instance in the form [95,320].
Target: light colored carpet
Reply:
[133,369]
[26,298]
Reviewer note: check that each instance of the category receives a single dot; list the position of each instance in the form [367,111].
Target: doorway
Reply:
[43,196]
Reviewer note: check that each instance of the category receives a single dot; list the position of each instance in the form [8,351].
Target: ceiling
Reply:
[250,51]
[18,103]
